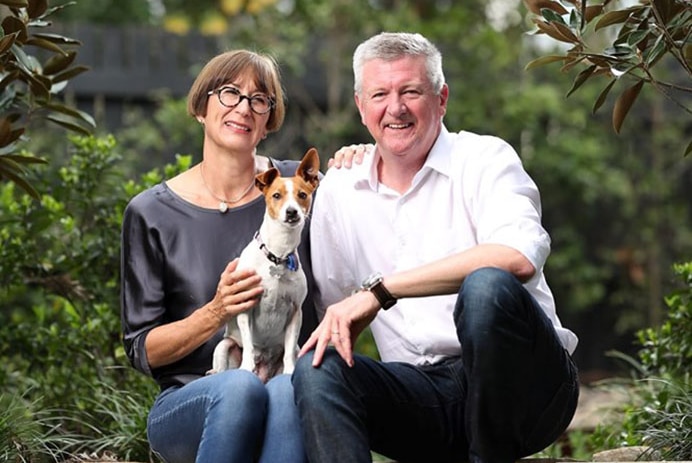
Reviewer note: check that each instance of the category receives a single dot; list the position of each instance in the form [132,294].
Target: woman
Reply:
[180,243]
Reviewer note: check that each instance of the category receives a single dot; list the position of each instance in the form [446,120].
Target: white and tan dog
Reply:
[268,333]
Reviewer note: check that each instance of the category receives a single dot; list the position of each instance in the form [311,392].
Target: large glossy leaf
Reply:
[68,122]
[36,8]
[58,63]
[70,73]
[45,44]
[12,24]
[8,170]
[74,112]
[624,103]
[57,38]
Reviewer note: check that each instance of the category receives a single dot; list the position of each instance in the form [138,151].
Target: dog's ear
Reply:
[309,168]
[266,178]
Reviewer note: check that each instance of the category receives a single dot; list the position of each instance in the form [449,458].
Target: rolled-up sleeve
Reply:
[142,295]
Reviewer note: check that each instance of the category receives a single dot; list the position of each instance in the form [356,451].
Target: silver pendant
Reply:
[223,207]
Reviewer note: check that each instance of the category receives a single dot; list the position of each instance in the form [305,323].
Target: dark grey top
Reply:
[173,253]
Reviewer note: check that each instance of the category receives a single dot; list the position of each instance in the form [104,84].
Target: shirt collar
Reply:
[438,160]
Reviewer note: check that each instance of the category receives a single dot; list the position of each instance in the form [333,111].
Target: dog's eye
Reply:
[302,195]
[276,195]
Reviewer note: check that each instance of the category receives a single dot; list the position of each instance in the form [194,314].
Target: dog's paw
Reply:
[210,372]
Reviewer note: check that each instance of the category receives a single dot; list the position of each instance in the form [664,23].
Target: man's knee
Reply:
[308,379]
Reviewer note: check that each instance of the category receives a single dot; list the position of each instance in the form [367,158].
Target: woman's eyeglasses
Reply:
[231,97]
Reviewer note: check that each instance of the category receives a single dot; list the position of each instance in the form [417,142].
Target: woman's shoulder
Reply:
[287,167]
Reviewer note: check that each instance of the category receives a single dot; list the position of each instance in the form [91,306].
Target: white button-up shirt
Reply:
[472,189]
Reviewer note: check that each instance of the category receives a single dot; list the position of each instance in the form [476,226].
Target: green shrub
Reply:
[60,330]
[659,414]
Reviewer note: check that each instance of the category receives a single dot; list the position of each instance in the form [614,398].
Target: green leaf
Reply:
[68,122]
[57,38]
[73,112]
[581,78]
[57,63]
[8,170]
[70,73]
[688,150]
[624,103]
[45,44]
[602,96]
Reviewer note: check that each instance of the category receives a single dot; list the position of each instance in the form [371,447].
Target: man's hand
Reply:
[347,155]
[342,324]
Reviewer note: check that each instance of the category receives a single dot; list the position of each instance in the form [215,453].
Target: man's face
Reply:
[398,106]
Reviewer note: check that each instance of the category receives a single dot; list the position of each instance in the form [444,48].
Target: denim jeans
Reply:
[512,392]
[227,417]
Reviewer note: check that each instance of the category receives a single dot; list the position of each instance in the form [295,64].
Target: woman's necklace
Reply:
[224,203]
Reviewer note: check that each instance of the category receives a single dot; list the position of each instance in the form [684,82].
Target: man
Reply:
[475,363]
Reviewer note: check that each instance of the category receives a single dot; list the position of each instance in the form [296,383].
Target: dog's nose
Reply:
[291,214]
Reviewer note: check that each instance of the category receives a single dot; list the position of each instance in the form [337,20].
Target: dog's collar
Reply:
[290,261]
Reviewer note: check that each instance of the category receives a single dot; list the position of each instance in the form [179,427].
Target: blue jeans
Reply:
[227,417]
[512,392]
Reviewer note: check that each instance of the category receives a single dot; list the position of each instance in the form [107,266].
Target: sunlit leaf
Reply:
[624,103]
[613,17]
[543,60]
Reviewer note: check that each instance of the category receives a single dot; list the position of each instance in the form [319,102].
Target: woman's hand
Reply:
[346,155]
[237,291]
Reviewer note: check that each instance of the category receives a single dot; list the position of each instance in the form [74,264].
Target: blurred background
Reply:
[618,207]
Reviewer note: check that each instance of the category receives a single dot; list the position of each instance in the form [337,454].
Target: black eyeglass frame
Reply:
[242,97]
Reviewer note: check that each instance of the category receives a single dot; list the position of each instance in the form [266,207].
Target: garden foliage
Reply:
[64,364]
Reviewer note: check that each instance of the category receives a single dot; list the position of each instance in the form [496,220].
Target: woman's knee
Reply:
[236,387]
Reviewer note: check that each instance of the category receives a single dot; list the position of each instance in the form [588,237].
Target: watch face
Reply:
[372,280]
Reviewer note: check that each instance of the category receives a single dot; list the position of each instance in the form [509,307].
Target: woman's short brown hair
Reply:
[225,68]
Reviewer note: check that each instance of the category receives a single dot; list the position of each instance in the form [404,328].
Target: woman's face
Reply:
[236,128]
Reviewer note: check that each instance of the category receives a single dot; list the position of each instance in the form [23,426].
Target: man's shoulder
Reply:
[476,140]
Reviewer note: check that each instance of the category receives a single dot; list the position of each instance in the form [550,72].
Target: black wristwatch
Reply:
[374,284]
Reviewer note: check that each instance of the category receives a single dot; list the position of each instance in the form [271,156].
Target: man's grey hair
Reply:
[390,46]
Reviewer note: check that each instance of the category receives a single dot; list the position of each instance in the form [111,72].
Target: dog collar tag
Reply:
[292,262]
